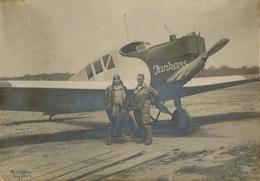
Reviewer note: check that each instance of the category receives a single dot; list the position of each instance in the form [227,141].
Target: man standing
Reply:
[116,104]
[144,96]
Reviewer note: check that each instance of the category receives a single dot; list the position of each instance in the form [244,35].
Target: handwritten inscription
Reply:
[158,69]
[21,174]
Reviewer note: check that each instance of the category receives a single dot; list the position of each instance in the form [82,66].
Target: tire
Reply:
[181,119]
[128,128]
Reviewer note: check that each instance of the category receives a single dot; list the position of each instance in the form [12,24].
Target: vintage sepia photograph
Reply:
[161,90]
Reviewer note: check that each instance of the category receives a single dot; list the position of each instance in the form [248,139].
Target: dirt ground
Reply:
[223,145]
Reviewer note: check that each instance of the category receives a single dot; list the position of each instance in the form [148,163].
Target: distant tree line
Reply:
[225,70]
[206,72]
[43,76]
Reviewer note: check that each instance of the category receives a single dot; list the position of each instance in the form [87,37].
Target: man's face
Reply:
[140,80]
[117,80]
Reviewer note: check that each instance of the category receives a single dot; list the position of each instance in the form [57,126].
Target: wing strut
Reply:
[157,117]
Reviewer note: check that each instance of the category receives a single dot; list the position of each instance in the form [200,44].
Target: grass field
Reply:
[225,144]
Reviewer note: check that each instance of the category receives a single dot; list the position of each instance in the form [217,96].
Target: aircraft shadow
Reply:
[38,121]
[75,121]
[162,128]
[95,133]
[166,128]
[234,116]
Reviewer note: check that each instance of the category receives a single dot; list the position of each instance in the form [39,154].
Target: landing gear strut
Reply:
[50,116]
[180,117]
[157,117]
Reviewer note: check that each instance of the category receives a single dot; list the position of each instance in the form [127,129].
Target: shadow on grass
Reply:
[99,130]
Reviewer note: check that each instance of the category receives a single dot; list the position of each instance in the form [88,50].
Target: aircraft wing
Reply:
[200,85]
[53,97]
[57,97]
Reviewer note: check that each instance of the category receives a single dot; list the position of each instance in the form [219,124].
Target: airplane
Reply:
[169,67]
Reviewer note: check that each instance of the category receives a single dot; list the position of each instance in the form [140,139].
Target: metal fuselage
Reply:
[165,59]
[158,63]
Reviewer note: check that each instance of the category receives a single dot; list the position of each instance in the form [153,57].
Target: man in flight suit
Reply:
[116,105]
[144,96]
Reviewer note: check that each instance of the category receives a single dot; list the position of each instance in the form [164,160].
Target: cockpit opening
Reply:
[132,48]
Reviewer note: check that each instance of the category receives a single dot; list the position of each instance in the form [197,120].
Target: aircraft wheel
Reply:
[181,119]
[50,116]
[128,128]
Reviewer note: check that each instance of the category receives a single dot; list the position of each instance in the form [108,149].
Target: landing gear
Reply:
[50,116]
[129,126]
[47,114]
[180,117]
[157,117]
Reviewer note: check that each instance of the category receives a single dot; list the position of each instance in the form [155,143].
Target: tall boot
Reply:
[109,134]
[142,135]
[148,134]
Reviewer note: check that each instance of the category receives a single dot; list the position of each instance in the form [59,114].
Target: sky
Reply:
[52,36]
